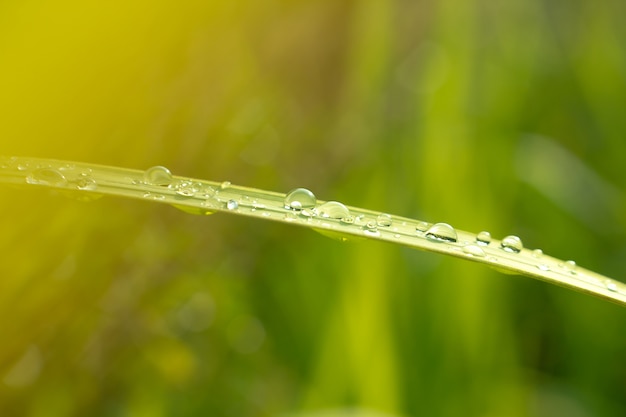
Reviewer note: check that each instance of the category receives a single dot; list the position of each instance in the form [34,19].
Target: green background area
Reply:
[504,116]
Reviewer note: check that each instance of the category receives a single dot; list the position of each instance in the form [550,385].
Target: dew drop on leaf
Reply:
[232,205]
[474,250]
[299,198]
[512,244]
[46,176]
[333,210]
[483,238]
[441,232]
[384,220]
[157,175]
[569,266]
[610,285]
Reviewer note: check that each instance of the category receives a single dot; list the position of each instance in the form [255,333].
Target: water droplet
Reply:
[347,220]
[310,213]
[185,188]
[512,244]
[569,266]
[300,198]
[384,220]
[86,183]
[537,253]
[474,250]
[371,229]
[422,226]
[610,285]
[333,210]
[371,232]
[483,238]
[441,232]
[543,267]
[46,176]
[225,185]
[158,175]
[232,205]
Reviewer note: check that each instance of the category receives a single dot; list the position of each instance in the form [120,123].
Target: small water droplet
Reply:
[185,189]
[396,235]
[347,220]
[158,175]
[232,205]
[46,176]
[371,225]
[474,250]
[537,253]
[333,210]
[422,226]
[371,232]
[569,266]
[441,232]
[543,267]
[512,244]
[310,213]
[483,238]
[299,198]
[610,285]
[86,183]
[384,220]
[225,185]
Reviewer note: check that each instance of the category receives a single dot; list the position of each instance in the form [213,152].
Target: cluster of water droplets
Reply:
[66,176]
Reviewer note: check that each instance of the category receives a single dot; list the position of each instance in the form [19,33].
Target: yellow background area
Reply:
[507,117]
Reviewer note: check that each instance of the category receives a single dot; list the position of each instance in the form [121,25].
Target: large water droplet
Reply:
[483,238]
[474,250]
[512,244]
[441,232]
[300,198]
[232,205]
[46,176]
[157,175]
[384,220]
[333,210]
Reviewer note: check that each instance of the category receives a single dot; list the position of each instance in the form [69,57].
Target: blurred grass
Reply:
[117,308]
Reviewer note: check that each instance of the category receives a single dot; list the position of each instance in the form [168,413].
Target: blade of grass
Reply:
[157,184]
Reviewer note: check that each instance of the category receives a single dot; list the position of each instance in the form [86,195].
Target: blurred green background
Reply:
[505,116]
